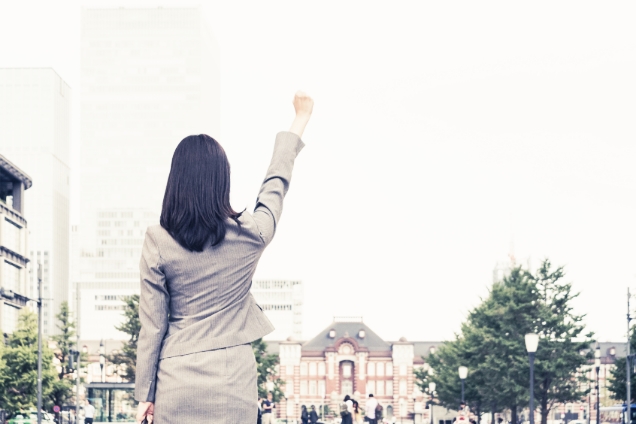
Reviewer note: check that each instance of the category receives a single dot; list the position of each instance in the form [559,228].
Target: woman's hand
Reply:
[145,410]
[304,105]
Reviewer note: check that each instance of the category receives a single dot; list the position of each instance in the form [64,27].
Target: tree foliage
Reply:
[19,370]
[266,371]
[617,384]
[491,344]
[65,340]
[127,357]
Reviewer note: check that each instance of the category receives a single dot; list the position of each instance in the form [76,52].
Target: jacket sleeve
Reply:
[269,204]
[153,316]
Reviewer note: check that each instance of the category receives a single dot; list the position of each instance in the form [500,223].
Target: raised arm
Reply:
[269,205]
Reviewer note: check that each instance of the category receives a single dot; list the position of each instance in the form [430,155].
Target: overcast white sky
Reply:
[440,133]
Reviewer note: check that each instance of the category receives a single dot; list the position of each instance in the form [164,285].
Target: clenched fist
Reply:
[303,103]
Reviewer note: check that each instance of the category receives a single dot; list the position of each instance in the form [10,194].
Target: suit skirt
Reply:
[214,386]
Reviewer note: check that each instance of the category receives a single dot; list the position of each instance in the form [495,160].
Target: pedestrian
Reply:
[304,415]
[369,409]
[259,418]
[313,415]
[89,412]
[357,416]
[345,410]
[268,405]
[198,317]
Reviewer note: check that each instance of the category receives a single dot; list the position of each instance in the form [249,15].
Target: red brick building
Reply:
[347,357]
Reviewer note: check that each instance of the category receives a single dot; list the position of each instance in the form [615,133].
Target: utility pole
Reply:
[628,365]
[39,343]
[79,351]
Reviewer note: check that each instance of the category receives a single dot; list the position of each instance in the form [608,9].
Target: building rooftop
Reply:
[11,173]
[347,328]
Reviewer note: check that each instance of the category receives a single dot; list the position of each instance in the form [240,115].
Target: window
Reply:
[11,277]
[370,386]
[303,368]
[347,387]
[380,388]
[389,369]
[321,369]
[11,236]
[9,318]
[312,368]
[303,387]
[380,372]
[321,387]
[371,369]
[313,387]
[346,370]
[289,370]
[402,387]
[402,369]
[389,388]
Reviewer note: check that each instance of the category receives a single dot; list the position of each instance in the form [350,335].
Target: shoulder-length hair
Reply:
[196,204]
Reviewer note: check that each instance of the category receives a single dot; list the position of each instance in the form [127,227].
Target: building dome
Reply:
[403,339]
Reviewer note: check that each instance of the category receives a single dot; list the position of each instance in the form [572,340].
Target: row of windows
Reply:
[11,276]
[110,297]
[121,233]
[312,368]
[11,237]
[276,307]
[383,368]
[110,307]
[274,284]
[9,318]
[385,388]
[312,388]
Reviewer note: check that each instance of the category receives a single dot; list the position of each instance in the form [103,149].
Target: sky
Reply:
[444,137]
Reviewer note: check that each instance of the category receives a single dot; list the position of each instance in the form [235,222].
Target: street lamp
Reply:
[431,389]
[463,373]
[532,342]
[102,359]
[597,364]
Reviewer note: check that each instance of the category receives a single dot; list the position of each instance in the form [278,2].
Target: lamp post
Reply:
[102,359]
[532,342]
[431,390]
[597,364]
[463,373]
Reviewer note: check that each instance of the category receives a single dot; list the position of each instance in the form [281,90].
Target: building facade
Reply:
[150,77]
[35,134]
[13,245]
[282,302]
[348,358]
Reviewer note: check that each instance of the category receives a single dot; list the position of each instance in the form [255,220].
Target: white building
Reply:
[150,77]
[13,245]
[35,134]
[282,302]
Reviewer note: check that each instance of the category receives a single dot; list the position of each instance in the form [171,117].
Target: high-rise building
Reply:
[35,134]
[282,302]
[13,245]
[150,77]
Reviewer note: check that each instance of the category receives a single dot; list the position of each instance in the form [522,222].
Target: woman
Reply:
[304,416]
[357,416]
[195,363]
[347,410]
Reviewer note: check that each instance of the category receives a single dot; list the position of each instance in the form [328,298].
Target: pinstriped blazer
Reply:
[196,301]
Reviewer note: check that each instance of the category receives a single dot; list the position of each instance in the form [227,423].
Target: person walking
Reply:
[369,409]
[304,415]
[195,363]
[357,416]
[268,406]
[313,415]
[89,412]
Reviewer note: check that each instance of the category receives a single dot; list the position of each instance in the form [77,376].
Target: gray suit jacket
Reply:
[197,301]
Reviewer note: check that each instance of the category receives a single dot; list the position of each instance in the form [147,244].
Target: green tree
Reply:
[564,347]
[18,373]
[127,358]
[618,376]
[491,345]
[266,371]
[63,388]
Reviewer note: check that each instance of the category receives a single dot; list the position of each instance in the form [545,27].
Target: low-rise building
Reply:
[13,244]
